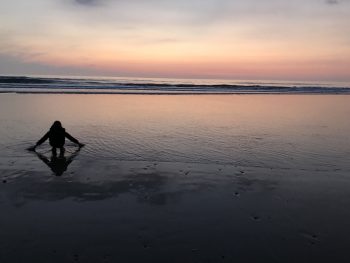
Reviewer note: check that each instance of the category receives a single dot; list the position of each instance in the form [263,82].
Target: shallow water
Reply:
[290,132]
[256,178]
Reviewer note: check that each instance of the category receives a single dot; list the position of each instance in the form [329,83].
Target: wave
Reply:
[24,84]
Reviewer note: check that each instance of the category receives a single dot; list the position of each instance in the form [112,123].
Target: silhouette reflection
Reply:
[58,164]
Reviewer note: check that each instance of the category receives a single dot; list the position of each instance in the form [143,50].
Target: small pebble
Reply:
[4,181]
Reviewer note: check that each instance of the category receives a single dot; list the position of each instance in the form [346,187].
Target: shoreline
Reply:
[172,93]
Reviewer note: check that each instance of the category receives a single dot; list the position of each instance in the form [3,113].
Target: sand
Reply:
[134,195]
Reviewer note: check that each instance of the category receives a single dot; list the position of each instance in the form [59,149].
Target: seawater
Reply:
[59,84]
[305,132]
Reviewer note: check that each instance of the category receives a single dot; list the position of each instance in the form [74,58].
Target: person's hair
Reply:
[56,126]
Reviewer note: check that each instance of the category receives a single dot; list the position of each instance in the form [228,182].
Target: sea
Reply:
[121,85]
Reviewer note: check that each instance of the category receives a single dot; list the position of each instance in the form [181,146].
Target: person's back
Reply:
[57,136]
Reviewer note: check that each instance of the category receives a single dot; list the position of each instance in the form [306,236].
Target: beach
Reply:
[176,178]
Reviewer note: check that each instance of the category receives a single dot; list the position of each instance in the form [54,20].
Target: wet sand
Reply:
[278,195]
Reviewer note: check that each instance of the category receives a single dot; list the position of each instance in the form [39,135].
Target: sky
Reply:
[226,39]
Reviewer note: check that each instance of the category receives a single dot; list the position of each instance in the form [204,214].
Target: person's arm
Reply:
[41,141]
[72,139]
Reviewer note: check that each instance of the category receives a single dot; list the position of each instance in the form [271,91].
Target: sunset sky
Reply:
[229,39]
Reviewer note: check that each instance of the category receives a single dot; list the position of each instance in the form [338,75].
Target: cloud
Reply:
[332,2]
[88,2]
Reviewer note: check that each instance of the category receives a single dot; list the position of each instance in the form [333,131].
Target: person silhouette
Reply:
[56,136]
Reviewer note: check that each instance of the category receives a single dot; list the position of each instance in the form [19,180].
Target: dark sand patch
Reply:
[108,211]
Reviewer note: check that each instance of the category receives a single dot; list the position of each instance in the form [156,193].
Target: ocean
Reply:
[111,85]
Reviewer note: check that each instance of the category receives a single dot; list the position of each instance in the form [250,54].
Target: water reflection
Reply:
[159,184]
[58,164]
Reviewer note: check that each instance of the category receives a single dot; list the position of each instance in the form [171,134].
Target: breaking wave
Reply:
[24,84]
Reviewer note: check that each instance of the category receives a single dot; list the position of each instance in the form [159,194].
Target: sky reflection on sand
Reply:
[291,132]
[200,178]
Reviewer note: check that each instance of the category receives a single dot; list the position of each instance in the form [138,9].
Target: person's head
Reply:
[56,126]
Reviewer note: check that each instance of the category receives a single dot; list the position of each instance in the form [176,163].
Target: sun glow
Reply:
[244,41]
